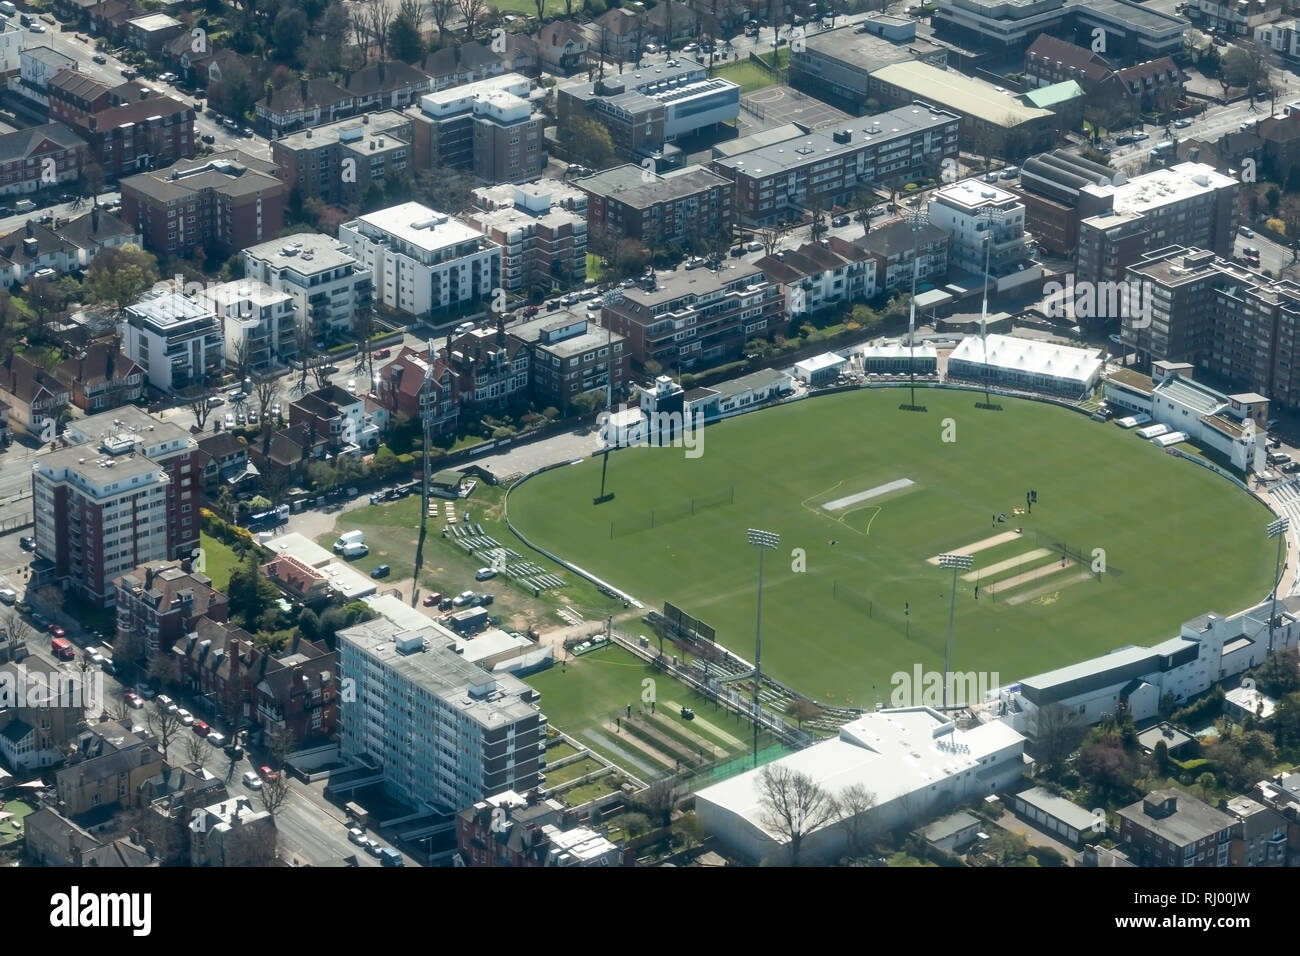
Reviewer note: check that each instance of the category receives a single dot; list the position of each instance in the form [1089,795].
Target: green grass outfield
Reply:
[749,76]
[1183,540]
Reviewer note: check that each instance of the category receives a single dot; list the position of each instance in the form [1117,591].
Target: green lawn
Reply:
[392,533]
[865,604]
[749,76]
[553,8]
[219,560]
[596,689]
[11,828]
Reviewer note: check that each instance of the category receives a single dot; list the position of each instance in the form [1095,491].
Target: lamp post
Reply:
[612,297]
[1276,529]
[958,562]
[984,314]
[916,222]
[765,541]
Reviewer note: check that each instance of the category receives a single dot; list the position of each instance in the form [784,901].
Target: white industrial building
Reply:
[444,732]
[973,212]
[176,340]
[1025,364]
[1232,425]
[899,358]
[1208,649]
[319,273]
[820,369]
[423,261]
[913,760]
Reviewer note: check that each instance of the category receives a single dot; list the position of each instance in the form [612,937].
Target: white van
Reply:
[355,549]
[347,538]
[8,9]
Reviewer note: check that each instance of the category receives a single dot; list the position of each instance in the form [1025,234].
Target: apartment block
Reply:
[489,367]
[223,203]
[541,228]
[257,322]
[1173,828]
[1221,316]
[697,318]
[489,127]
[572,354]
[986,231]
[1189,204]
[176,340]
[337,162]
[326,283]
[159,602]
[824,168]
[125,492]
[646,108]
[421,387]
[33,159]
[900,250]
[821,275]
[682,206]
[139,135]
[445,732]
[423,262]
[1049,187]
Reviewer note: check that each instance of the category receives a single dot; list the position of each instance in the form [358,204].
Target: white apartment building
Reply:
[11,47]
[258,323]
[327,285]
[175,339]
[446,733]
[423,261]
[972,211]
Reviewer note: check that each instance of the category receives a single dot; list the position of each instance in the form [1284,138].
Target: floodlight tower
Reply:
[765,541]
[612,297]
[958,562]
[984,312]
[916,219]
[1276,529]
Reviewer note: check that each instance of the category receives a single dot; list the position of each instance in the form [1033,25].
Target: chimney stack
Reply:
[31,231]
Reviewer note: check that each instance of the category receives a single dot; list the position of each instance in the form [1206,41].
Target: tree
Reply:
[19,629]
[275,792]
[770,236]
[379,17]
[305,340]
[1250,65]
[196,748]
[854,802]
[90,179]
[163,725]
[658,800]
[440,11]
[588,141]
[363,329]
[1008,849]
[279,743]
[473,11]
[235,93]
[199,400]
[287,32]
[250,592]
[793,805]
[631,256]
[44,297]
[635,824]
[819,226]
[265,388]
[801,709]
[238,356]
[118,276]
[404,41]
[1057,734]
[1108,766]
[589,402]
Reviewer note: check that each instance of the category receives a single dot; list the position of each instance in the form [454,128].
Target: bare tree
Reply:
[320,365]
[380,16]
[793,805]
[473,11]
[657,801]
[19,629]
[801,709]
[854,803]
[279,743]
[238,356]
[359,22]
[771,236]
[304,338]
[1056,734]
[275,792]
[363,329]
[196,748]
[414,10]
[162,725]
[440,12]
[264,389]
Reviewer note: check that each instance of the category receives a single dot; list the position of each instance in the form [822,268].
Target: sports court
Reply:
[778,105]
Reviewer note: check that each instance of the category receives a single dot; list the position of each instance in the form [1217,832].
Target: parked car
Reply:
[1246,231]
[185,717]
[145,691]
[356,835]
[381,572]
[252,781]
[208,138]
[230,420]
[433,598]
[217,740]
[133,700]
[201,728]
[99,58]
[1291,467]
[463,598]
[1182,123]
[269,775]
[383,353]
[840,221]
[27,543]
[484,574]
[1280,458]
[570,299]
[485,599]
[56,631]
[8,596]
[373,847]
